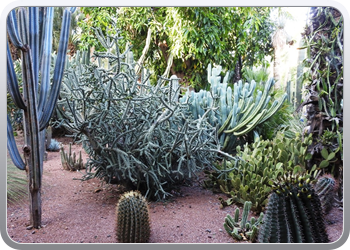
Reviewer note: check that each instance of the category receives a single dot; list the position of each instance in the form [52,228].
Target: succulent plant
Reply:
[30,31]
[136,133]
[260,162]
[235,111]
[294,212]
[132,218]
[69,161]
[54,145]
[325,188]
[244,229]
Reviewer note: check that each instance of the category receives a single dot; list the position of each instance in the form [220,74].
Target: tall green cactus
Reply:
[235,111]
[132,218]
[294,212]
[30,30]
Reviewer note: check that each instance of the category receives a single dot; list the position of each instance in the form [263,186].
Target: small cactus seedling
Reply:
[69,161]
[244,230]
[132,218]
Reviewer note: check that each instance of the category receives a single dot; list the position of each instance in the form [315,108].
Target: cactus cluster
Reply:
[260,162]
[294,213]
[136,133]
[69,160]
[235,111]
[244,229]
[132,218]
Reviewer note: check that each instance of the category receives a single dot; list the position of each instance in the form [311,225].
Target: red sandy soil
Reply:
[75,211]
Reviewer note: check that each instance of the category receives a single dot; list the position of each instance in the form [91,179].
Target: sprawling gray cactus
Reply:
[235,111]
[135,133]
[30,31]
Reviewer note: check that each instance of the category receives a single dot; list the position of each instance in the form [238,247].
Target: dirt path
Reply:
[84,212]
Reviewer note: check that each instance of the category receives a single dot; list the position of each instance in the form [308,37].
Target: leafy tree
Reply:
[94,17]
[186,39]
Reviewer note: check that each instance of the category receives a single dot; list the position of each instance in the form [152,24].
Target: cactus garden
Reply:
[151,125]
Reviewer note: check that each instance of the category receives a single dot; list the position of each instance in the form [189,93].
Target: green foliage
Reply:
[132,218]
[235,111]
[259,76]
[323,39]
[69,161]
[260,163]
[245,229]
[95,18]
[284,120]
[197,36]
[135,133]
[294,212]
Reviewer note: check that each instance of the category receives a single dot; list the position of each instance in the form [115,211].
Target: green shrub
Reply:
[249,178]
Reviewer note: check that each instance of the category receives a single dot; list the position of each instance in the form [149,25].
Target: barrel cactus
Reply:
[132,218]
[294,213]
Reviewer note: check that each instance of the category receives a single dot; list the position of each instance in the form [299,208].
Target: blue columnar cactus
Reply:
[235,111]
[30,31]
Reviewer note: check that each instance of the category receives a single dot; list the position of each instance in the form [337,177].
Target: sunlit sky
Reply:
[295,27]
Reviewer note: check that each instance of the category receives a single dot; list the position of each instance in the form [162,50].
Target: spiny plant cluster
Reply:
[243,229]
[236,111]
[260,162]
[135,133]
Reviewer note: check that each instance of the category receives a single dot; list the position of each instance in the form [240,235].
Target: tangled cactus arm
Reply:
[135,133]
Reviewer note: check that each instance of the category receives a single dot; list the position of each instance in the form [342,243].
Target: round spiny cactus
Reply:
[294,212]
[325,188]
[132,218]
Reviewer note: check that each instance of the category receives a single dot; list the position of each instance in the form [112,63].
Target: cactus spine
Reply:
[293,213]
[30,30]
[132,218]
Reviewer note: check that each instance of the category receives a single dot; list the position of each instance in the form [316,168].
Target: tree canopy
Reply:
[189,37]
